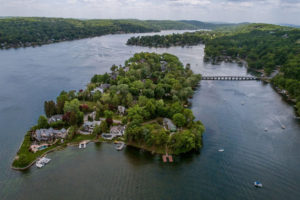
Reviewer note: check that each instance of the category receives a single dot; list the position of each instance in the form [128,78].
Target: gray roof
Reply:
[46,134]
[169,124]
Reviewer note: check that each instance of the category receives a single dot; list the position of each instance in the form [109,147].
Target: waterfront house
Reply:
[168,124]
[101,88]
[49,134]
[117,130]
[121,110]
[89,126]
[163,65]
[55,118]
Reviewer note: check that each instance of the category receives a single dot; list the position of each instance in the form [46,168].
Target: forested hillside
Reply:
[30,31]
[264,47]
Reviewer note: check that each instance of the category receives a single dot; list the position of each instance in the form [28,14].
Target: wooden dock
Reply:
[167,158]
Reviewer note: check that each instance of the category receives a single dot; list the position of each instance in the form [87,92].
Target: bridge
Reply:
[230,78]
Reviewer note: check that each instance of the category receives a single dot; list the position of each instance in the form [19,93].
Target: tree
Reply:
[43,122]
[72,106]
[108,114]
[189,116]
[179,120]
[159,91]
[60,102]
[73,119]
[97,130]
[103,127]
[50,108]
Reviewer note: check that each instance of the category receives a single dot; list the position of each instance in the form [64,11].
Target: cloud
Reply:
[270,11]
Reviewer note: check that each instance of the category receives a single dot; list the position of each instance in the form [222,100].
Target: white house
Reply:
[117,130]
[55,118]
[121,110]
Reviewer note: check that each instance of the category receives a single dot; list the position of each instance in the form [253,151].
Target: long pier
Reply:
[230,78]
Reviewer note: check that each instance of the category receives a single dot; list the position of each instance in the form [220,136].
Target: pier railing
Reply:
[230,78]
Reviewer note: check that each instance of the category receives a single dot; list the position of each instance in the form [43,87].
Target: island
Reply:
[272,52]
[144,104]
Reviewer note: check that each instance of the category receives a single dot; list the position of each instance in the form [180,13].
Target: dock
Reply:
[167,158]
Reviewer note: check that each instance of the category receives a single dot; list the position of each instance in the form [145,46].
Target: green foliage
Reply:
[179,119]
[28,31]
[50,108]
[43,122]
[186,39]
[72,106]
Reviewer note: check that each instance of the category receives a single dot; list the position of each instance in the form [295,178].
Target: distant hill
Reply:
[30,31]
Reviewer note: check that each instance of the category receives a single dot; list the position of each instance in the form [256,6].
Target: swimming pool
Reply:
[42,147]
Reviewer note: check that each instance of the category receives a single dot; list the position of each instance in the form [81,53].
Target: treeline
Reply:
[185,39]
[30,31]
[264,47]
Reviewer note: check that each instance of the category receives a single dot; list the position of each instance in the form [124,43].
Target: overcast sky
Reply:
[269,11]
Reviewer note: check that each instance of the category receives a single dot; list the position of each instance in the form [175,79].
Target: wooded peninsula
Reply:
[269,49]
[32,31]
[143,104]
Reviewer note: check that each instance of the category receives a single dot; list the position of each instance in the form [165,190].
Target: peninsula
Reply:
[143,103]
[270,50]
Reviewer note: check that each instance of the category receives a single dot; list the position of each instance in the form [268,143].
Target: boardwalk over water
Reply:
[230,78]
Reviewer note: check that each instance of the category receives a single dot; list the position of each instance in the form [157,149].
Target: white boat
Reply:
[283,126]
[266,129]
[119,146]
[258,184]
[221,150]
[42,162]
[82,145]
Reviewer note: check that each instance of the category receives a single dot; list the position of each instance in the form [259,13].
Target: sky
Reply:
[267,11]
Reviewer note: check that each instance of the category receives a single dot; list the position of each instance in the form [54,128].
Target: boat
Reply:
[283,126]
[266,129]
[119,146]
[42,162]
[221,150]
[82,145]
[258,184]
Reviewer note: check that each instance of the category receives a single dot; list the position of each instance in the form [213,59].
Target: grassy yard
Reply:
[24,157]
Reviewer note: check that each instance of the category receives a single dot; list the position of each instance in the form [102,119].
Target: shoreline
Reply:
[52,150]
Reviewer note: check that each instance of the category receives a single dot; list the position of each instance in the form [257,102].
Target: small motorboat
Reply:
[221,150]
[42,162]
[266,129]
[258,184]
[283,126]
[119,146]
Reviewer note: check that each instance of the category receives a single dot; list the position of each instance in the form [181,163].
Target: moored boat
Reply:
[258,184]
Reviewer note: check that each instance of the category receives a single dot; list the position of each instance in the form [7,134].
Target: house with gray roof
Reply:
[101,88]
[55,118]
[49,134]
[169,125]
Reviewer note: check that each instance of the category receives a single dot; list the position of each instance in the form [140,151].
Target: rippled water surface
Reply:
[235,114]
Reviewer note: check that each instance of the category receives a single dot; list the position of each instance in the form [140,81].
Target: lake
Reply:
[235,114]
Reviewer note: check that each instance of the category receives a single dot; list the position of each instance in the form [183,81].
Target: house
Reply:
[101,88]
[117,130]
[121,110]
[89,126]
[126,69]
[163,66]
[90,116]
[168,124]
[49,134]
[55,118]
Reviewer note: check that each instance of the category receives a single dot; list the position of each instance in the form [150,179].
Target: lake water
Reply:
[235,114]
